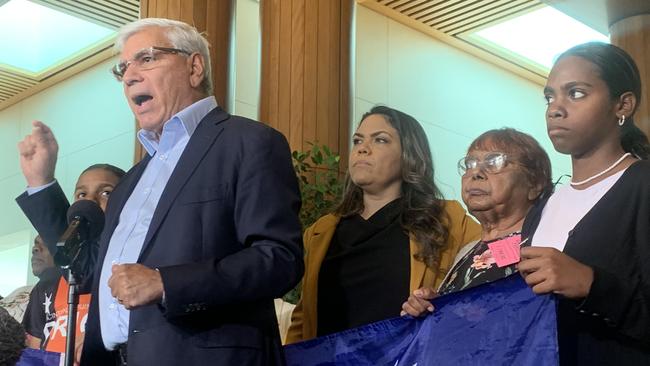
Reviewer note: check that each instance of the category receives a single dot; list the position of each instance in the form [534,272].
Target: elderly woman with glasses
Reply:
[504,173]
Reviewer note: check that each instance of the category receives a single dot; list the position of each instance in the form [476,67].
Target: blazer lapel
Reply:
[202,139]
[320,242]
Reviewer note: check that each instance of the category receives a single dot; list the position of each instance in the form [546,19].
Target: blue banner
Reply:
[500,323]
[34,357]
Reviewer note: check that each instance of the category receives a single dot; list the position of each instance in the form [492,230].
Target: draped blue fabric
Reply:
[500,323]
[34,357]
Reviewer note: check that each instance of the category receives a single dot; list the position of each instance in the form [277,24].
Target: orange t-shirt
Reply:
[55,331]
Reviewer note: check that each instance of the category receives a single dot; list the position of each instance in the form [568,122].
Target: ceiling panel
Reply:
[110,13]
[450,20]
[16,85]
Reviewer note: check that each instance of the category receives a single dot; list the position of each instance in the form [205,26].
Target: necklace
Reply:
[601,173]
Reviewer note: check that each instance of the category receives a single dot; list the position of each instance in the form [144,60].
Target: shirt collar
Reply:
[189,118]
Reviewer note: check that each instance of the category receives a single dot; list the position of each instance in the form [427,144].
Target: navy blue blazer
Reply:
[226,239]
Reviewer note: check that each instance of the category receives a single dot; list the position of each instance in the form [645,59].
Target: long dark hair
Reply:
[422,212]
[621,75]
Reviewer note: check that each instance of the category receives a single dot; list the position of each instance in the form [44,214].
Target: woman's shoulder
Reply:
[320,232]
[453,208]
[325,223]
[463,228]
[636,178]
[640,170]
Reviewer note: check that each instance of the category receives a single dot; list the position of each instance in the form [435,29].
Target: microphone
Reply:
[85,222]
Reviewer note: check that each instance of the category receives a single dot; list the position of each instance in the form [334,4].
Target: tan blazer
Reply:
[462,230]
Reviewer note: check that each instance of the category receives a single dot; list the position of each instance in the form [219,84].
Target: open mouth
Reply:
[141,99]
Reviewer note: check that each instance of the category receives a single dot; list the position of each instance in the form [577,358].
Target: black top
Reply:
[365,274]
[477,267]
[40,309]
[611,326]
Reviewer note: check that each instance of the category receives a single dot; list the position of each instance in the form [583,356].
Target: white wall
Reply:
[92,123]
[13,260]
[246,67]
[454,95]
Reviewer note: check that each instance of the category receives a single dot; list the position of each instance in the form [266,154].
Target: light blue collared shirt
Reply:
[128,238]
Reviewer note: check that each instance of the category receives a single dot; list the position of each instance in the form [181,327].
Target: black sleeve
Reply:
[34,319]
[46,210]
[620,292]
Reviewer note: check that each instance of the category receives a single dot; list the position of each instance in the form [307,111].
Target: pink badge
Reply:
[505,251]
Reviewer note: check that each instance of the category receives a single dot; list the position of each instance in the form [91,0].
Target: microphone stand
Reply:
[80,216]
[73,302]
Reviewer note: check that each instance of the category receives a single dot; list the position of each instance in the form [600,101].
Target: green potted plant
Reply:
[321,187]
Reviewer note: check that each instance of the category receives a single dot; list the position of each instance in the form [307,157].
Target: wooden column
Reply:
[214,19]
[305,71]
[630,30]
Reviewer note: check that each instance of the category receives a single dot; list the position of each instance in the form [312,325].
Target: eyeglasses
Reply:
[145,59]
[492,163]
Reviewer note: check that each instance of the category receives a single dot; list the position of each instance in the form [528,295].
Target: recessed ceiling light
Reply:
[36,37]
[538,36]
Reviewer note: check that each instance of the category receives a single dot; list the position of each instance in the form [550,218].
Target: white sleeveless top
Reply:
[565,208]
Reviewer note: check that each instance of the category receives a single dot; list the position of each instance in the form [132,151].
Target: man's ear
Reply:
[626,104]
[197,69]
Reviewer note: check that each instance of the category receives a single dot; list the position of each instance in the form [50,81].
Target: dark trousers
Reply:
[121,355]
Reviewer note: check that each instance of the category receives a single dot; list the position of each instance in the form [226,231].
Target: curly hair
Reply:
[423,215]
[12,338]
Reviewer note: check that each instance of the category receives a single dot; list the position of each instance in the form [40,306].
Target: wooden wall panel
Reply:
[311,67]
[187,11]
[323,75]
[285,76]
[345,73]
[174,7]
[335,82]
[297,69]
[305,78]
[270,65]
[633,35]
[160,9]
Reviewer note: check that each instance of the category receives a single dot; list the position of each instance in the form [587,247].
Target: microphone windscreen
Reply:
[91,212]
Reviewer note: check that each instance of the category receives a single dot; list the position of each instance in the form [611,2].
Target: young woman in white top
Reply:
[591,239]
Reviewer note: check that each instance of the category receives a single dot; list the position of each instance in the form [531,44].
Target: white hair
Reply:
[181,35]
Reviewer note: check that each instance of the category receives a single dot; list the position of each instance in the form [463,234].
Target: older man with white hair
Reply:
[202,234]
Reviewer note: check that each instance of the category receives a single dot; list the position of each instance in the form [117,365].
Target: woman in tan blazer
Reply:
[392,233]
